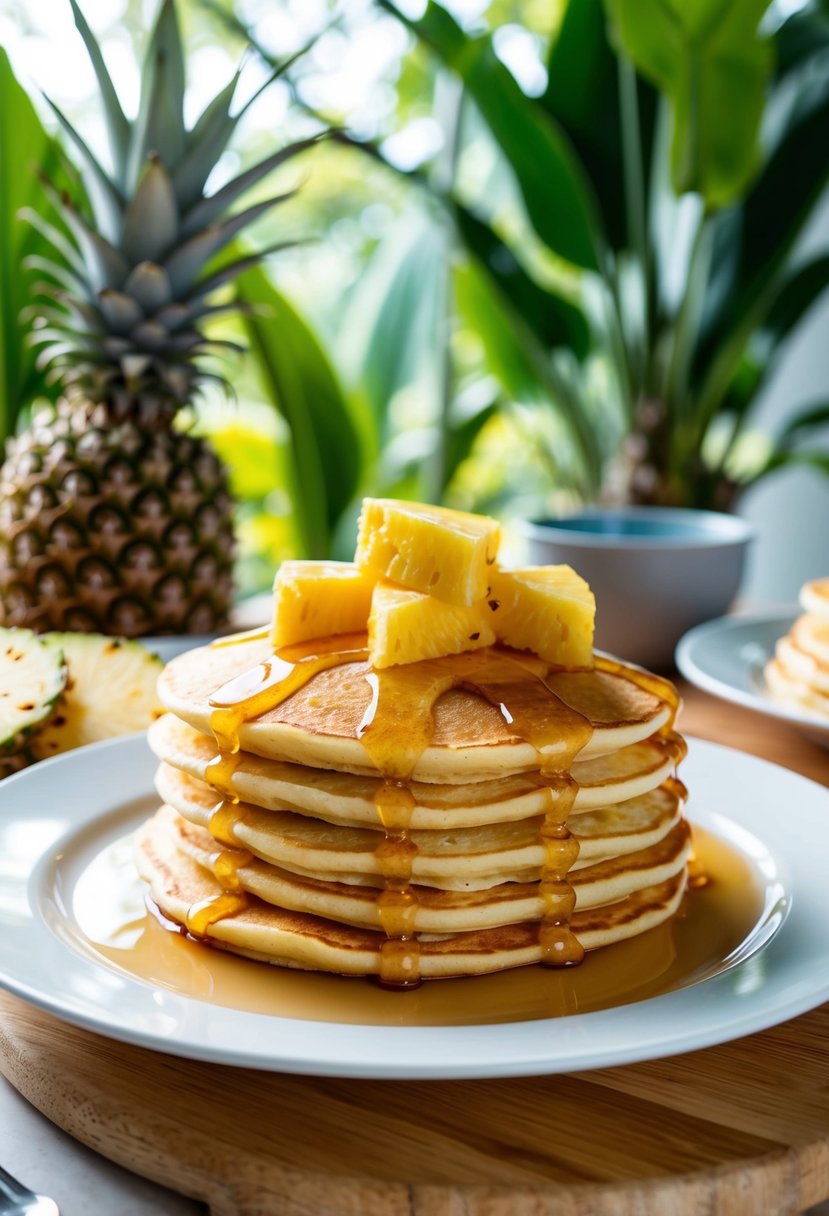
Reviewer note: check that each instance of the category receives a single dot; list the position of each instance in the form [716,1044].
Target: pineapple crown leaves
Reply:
[127,288]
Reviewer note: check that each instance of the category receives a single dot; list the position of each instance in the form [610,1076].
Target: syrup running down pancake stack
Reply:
[460,790]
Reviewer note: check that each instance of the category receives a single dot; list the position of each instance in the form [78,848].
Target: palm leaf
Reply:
[711,60]
[302,385]
[26,153]
[557,193]
[554,320]
[394,327]
[801,424]
[583,96]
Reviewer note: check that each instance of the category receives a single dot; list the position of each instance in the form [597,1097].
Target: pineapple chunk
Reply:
[406,626]
[549,610]
[319,600]
[444,553]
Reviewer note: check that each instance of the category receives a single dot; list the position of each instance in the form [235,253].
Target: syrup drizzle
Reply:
[396,729]
[247,696]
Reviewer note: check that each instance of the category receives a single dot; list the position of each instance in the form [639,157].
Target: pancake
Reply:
[349,799]
[442,817]
[811,634]
[790,689]
[458,859]
[802,664]
[437,911]
[319,724]
[290,939]
[798,675]
[814,599]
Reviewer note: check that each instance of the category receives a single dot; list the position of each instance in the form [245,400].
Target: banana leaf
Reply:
[525,370]
[803,35]
[711,59]
[26,153]
[803,424]
[470,413]
[554,320]
[556,191]
[394,327]
[808,458]
[300,382]
[772,218]
[583,95]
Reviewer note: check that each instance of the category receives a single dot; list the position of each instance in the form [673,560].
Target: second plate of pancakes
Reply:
[728,657]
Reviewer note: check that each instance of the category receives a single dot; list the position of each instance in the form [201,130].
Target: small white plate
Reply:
[727,656]
[57,815]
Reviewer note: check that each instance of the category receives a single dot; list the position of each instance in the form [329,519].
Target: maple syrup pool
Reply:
[103,915]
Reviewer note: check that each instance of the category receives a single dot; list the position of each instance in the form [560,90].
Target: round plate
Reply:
[727,656]
[65,810]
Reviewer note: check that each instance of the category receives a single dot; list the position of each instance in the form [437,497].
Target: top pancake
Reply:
[318,725]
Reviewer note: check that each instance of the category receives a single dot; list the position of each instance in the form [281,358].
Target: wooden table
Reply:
[737,1130]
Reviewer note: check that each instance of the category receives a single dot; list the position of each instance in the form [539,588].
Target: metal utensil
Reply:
[17,1200]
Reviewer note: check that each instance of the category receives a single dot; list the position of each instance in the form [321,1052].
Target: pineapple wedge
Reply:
[406,626]
[443,553]
[549,610]
[32,680]
[319,599]
[111,691]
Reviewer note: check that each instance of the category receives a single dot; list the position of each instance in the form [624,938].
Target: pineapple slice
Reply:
[549,610]
[111,691]
[444,553]
[319,600]
[32,678]
[406,626]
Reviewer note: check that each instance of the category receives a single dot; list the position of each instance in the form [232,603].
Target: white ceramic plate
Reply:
[56,816]
[726,657]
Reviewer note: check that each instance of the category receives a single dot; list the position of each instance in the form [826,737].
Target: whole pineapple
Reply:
[110,518]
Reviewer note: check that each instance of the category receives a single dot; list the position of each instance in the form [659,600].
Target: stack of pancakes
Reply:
[798,675]
[456,817]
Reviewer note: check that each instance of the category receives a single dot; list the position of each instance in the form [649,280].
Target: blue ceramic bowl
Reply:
[656,572]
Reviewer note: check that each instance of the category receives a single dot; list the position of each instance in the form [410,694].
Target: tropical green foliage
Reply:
[26,151]
[675,159]
[711,60]
[598,310]
[296,375]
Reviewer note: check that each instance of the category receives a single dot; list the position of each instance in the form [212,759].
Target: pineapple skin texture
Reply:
[118,529]
[407,626]
[316,599]
[549,610]
[437,551]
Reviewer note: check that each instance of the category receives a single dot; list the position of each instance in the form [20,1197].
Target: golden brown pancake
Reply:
[438,911]
[452,859]
[348,799]
[798,675]
[448,817]
[319,724]
[292,939]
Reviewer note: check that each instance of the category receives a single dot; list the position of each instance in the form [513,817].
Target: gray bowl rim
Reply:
[718,529]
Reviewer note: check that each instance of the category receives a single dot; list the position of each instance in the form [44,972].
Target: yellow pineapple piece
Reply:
[319,600]
[405,626]
[549,610]
[444,553]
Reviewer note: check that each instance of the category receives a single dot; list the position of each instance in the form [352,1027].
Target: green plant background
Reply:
[484,311]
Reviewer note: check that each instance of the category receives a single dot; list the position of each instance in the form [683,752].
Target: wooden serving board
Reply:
[737,1130]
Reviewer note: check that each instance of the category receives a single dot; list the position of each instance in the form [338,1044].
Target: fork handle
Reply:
[10,1188]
